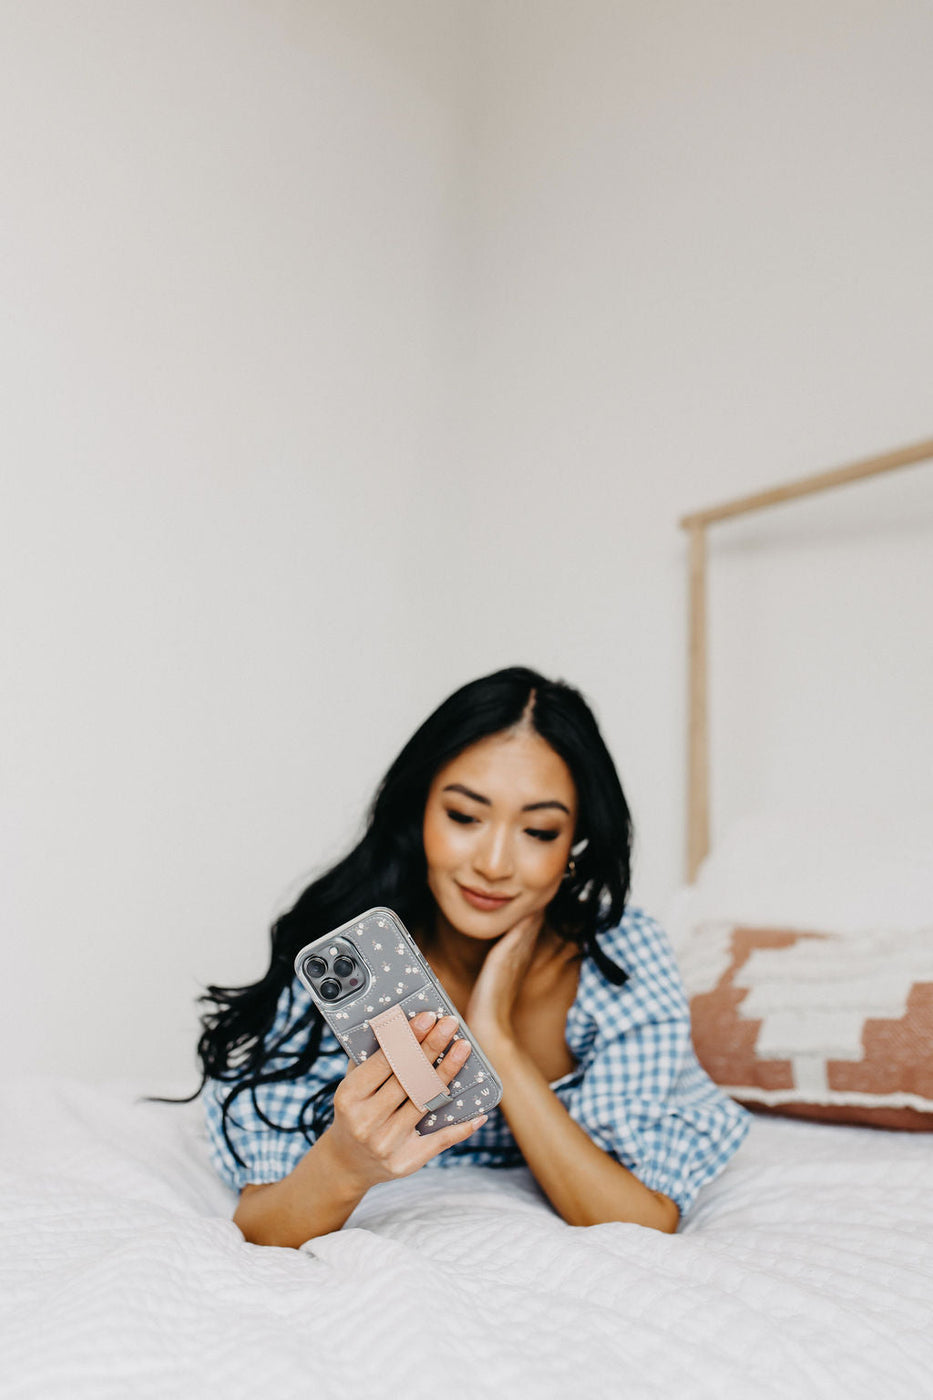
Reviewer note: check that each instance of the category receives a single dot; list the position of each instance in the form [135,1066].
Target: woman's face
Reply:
[498,827]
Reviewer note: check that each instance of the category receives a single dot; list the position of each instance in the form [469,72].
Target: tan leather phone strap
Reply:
[410,1064]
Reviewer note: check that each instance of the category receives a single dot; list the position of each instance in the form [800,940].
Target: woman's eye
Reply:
[543,835]
[461,817]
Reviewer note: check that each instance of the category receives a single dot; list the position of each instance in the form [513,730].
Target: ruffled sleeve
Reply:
[642,1096]
[267,1129]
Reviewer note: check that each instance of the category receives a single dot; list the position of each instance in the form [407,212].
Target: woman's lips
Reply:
[487,902]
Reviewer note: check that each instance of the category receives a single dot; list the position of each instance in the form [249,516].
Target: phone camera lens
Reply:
[343,966]
[329,989]
[315,967]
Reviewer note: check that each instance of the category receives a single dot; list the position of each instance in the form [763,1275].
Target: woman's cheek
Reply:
[441,846]
[428,839]
[543,875]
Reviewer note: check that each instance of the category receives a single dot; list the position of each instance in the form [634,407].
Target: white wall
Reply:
[702,239]
[228,261]
[363,339]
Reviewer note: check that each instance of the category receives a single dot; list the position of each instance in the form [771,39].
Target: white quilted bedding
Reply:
[805,1271]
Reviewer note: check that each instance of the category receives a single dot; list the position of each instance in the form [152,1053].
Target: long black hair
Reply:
[388,867]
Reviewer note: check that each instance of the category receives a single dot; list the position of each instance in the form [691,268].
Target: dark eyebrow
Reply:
[478,797]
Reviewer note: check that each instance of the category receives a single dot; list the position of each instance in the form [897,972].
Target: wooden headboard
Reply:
[696,525]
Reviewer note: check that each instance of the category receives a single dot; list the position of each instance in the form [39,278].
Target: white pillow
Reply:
[814,870]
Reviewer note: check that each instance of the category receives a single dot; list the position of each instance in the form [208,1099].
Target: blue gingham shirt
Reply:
[637,1089]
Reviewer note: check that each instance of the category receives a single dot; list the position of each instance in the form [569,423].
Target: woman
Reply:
[501,836]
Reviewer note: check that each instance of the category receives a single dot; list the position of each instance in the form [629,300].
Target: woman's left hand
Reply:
[489,1014]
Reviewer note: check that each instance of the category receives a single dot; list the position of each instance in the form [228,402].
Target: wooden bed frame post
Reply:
[698,734]
[698,818]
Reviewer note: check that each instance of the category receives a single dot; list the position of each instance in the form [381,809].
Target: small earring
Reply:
[571,869]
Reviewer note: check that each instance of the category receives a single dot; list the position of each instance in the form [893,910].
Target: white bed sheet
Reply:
[806,1270]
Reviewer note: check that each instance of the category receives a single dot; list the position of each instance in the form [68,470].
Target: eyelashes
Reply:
[539,834]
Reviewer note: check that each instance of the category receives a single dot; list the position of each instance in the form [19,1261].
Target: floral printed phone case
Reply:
[368,978]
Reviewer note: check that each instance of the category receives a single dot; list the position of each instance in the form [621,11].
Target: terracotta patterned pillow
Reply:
[816,1025]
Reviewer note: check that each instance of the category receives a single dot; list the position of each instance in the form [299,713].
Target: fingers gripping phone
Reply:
[369,978]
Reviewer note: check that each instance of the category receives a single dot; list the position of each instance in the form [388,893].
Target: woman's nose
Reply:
[493,856]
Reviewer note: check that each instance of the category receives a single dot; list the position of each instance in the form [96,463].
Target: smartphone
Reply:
[370,965]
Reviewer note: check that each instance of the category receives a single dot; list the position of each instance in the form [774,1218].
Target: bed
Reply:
[805,1270]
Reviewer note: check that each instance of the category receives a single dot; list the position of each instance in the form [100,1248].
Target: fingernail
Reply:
[462,1049]
[478,1122]
[424,1020]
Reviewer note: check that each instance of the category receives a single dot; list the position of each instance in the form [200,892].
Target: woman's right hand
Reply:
[371,1139]
[373,1133]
